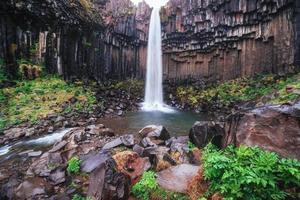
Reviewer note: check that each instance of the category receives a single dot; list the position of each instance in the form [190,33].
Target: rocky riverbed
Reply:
[109,164]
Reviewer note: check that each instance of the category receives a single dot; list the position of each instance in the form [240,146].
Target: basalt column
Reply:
[221,40]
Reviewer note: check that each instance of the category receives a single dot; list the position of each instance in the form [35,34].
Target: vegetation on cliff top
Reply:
[243,90]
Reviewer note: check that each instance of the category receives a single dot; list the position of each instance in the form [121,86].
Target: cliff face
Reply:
[102,39]
[97,39]
[221,40]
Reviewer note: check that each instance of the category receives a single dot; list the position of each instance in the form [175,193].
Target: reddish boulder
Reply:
[273,128]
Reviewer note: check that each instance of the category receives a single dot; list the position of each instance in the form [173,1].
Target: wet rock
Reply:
[50,129]
[106,183]
[58,146]
[158,132]
[138,149]
[120,113]
[29,132]
[129,163]
[274,128]
[8,189]
[147,142]
[32,188]
[126,140]
[35,153]
[177,178]
[107,132]
[97,179]
[14,133]
[207,131]
[57,176]
[178,144]
[92,161]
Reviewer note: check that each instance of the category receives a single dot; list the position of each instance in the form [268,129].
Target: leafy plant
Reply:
[79,197]
[191,146]
[249,173]
[143,188]
[147,187]
[74,165]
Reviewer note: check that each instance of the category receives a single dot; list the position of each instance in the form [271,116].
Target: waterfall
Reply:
[153,90]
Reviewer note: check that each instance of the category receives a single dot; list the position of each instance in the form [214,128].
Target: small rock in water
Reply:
[35,153]
[158,132]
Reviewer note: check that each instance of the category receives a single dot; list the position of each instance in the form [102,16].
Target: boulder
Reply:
[106,183]
[32,188]
[14,133]
[57,176]
[207,131]
[177,178]
[157,132]
[131,164]
[273,128]
[126,140]
[93,160]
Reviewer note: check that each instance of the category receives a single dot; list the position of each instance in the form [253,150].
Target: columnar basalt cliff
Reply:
[98,39]
[221,40]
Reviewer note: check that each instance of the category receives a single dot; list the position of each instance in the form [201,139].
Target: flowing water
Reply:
[154,91]
[23,147]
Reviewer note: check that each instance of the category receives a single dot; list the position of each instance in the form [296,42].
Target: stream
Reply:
[30,147]
[177,123]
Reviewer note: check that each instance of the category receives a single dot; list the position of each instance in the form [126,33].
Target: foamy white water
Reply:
[154,91]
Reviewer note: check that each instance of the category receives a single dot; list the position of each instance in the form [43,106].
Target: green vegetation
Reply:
[79,197]
[249,173]
[191,146]
[31,100]
[147,187]
[74,165]
[29,70]
[241,90]
[3,76]
[130,85]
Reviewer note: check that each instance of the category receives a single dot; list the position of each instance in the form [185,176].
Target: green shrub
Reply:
[191,146]
[147,187]
[249,173]
[239,90]
[74,165]
[79,197]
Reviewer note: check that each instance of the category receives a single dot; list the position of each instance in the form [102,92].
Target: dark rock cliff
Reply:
[225,39]
[103,39]
[97,39]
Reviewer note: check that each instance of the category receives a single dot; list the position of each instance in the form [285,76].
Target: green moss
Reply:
[148,188]
[32,100]
[240,90]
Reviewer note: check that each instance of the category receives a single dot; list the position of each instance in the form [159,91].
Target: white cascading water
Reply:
[154,91]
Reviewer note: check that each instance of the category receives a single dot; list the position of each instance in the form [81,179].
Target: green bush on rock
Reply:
[249,173]
[74,165]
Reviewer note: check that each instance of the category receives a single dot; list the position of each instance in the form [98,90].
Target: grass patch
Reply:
[249,173]
[31,100]
[240,90]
